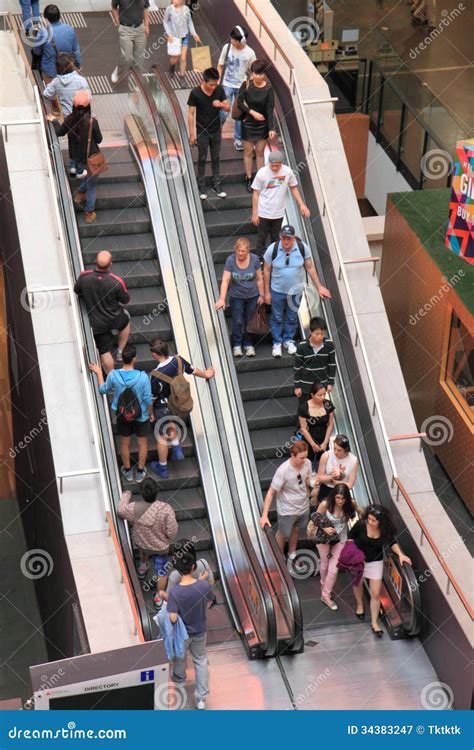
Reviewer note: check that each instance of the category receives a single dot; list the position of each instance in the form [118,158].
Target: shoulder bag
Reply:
[96,163]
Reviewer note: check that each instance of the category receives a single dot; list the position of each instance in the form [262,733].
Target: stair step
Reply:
[123,247]
[265,470]
[116,221]
[187,504]
[148,301]
[144,358]
[183,474]
[222,245]
[266,384]
[136,273]
[274,412]
[237,197]
[232,172]
[144,330]
[273,443]
[113,155]
[264,361]
[187,445]
[122,172]
[198,531]
[118,195]
[233,222]
[228,153]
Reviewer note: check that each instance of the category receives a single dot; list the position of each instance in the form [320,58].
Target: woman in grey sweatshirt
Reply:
[179,26]
[63,87]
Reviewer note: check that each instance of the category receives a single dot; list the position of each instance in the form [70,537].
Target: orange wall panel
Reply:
[354,131]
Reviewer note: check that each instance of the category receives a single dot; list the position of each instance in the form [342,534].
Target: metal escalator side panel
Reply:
[252,605]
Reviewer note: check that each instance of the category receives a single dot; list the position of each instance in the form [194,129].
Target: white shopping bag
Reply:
[174,47]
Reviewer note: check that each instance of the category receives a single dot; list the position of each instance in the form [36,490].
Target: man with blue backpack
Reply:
[133,405]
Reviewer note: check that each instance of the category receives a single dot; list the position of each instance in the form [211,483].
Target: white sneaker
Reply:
[200,705]
[203,196]
[220,193]
[238,145]
[276,350]
[114,77]
[290,347]
[82,175]
[72,171]
[237,351]
[249,351]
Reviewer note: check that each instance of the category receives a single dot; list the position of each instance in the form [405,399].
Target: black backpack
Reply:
[128,405]
[298,242]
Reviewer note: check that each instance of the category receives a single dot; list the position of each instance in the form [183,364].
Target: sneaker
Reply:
[114,77]
[276,350]
[249,351]
[72,171]
[220,193]
[157,601]
[160,469]
[81,175]
[90,217]
[292,556]
[237,351]
[238,145]
[118,356]
[128,474]
[140,474]
[290,347]
[142,569]
[177,453]
[203,196]
[200,705]
[80,198]
[248,184]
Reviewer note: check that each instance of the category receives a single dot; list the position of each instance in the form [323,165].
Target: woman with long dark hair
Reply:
[332,517]
[77,126]
[316,422]
[373,534]
[337,465]
[257,102]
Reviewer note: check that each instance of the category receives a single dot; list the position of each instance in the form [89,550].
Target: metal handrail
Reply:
[138,630]
[79,473]
[426,534]
[327,213]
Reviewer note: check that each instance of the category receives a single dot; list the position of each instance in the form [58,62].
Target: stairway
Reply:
[123,226]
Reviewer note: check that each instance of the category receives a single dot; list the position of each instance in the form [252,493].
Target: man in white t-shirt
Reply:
[236,57]
[270,189]
[291,486]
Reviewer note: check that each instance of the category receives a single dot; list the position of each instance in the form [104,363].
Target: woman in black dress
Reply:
[256,101]
[316,422]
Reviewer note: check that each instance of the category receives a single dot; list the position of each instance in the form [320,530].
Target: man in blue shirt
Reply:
[60,38]
[284,269]
[138,380]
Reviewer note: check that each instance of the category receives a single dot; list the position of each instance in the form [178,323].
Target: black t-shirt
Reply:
[372,548]
[131,11]
[207,116]
[317,426]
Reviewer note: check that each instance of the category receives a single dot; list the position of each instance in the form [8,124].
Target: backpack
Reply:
[128,405]
[180,401]
[298,242]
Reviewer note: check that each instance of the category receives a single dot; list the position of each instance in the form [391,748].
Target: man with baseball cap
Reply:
[270,189]
[284,268]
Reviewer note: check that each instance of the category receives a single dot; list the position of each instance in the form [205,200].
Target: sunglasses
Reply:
[299,478]
[287,260]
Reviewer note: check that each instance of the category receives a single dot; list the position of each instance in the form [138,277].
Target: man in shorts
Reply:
[291,486]
[116,383]
[104,295]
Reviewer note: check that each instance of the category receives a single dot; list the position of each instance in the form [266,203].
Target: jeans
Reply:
[232,94]
[89,186]
[197,647]
[284,317]
[241,310]
[30,9]
[212,141]
[132,46]
[329,568]
[267,227]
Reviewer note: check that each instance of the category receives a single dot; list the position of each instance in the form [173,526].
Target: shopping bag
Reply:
[258,323]
[201,58]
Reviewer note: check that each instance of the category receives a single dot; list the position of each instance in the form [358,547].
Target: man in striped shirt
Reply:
[315,360]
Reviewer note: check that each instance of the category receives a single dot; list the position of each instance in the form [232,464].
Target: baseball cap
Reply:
[276,157]
[287,231]
[82,98]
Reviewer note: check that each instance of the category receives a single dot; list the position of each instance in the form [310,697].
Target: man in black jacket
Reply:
[315,360]
[104,295]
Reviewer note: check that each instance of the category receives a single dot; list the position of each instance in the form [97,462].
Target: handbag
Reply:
[319,535]
[236,112]
[201,58]
[96,163]
[258,323]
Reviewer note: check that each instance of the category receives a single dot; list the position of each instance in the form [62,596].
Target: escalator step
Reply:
[124,172]
[118,195]
[223,245]
[137,273]
[198,531]
[186,444]
[116,221]
[234,222]
[113,155]
[147,301]
[124,248]
[183,474]
[237,197]
[268,384]
[264,360]
[145,330]
[275,412]
[273,443]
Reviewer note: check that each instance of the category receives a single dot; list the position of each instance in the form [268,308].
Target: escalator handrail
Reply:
[413,628]
[264,593]
[296,613]
[96,403]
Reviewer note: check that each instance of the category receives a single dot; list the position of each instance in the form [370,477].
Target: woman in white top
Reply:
[336,465]
[179,26]
[332,518]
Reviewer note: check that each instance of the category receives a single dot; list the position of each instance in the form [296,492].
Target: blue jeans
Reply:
[242,311]
[89,186]
[29,9]
[284,317]
[231,94]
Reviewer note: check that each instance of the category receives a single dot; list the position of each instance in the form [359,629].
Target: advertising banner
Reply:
[460,234]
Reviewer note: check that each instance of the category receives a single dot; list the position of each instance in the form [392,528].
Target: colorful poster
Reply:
[460,234]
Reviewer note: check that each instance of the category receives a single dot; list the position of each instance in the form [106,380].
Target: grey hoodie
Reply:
[64,87]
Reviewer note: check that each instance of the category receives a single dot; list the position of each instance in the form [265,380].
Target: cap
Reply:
[82,98]
[287,231]
[276,157]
